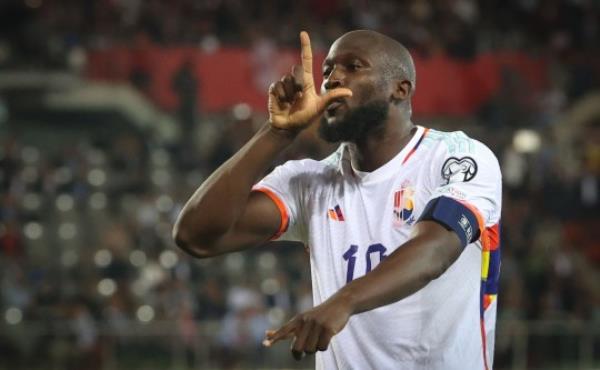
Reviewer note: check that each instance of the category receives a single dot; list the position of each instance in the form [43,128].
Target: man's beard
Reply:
[357,124]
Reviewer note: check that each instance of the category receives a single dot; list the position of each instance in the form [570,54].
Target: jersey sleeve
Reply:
[285,186]
[467,189]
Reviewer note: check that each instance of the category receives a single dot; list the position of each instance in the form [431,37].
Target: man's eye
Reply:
[354,66]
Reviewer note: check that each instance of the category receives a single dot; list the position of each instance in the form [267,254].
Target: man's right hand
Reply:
[293,100]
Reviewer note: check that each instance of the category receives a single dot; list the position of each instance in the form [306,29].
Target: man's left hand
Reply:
[312,330]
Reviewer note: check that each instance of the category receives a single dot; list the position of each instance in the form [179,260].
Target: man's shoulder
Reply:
[456,143]
[313,167]
[455,155]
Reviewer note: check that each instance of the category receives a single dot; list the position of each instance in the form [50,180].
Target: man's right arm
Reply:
[224,215]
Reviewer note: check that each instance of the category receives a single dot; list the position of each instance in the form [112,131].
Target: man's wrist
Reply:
[281,134]
[348,297]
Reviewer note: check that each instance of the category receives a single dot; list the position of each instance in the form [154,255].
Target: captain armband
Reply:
[453,215]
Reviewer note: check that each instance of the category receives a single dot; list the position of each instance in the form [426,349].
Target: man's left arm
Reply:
[424,257]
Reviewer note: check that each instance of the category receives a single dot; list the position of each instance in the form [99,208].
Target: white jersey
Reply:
[351,220]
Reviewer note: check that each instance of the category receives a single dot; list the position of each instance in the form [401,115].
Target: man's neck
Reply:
[380,147]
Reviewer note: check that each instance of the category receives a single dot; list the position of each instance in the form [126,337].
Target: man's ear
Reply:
[402,90]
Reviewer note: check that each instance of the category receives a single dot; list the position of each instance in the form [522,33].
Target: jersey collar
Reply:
[391,167]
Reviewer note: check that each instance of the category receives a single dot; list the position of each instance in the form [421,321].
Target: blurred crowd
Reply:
[85,239]
[54,33]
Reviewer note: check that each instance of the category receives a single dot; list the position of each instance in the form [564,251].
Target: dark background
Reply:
[112,112]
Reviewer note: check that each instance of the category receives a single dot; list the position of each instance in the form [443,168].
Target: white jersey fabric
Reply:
[351,220]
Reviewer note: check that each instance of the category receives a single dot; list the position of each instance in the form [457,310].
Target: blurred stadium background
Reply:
[113,111]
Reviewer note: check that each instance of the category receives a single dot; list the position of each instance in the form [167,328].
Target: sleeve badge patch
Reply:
[459,169]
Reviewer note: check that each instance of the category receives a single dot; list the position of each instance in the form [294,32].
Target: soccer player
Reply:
[401,221]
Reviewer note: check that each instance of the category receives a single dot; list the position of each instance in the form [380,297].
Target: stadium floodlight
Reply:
[168,259]
[145,313]
[267,261]
[33,230]
[103,258]
[13,315]
[242,111]
[526,141]
[107,287]
[137,258]
[96,177]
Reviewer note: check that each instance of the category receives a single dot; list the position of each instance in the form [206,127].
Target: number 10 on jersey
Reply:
[350,256]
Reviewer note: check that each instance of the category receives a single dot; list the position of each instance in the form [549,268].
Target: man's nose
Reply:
[334,80]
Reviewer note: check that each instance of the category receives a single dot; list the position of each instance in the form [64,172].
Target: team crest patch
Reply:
[404,205]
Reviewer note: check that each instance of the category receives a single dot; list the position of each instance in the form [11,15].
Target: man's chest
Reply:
[348,210]
[355,227]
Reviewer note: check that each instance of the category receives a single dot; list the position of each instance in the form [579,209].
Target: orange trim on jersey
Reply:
[414,149]
[493,235]
[285,219]
[487,300]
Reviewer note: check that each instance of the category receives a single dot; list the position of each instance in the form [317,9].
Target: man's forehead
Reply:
[357,44]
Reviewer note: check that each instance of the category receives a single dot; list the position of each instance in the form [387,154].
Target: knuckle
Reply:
[311,320]
[298,83]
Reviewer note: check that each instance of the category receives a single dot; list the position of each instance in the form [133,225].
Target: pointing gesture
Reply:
[293,100]
[312,331]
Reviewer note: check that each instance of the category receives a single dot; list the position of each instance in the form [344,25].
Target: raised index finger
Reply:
[307,60]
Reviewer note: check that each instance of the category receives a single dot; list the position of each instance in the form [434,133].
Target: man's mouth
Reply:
[333,107]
